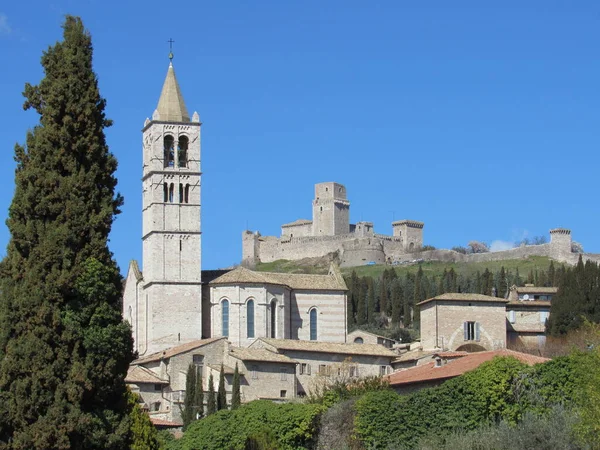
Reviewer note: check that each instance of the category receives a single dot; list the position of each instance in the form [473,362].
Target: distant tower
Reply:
[331,210]
[171,235]
[411,233]
[560,238]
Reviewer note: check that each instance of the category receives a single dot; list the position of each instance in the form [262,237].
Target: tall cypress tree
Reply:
[64,349]
[199,394]
[236,399]
[221,394]
[211,405]
[188,415]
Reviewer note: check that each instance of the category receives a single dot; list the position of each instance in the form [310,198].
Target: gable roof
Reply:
[141,375]
[359,331]
[534,289]
[260,354]
[171,107]
[329,347]
[176,350]
[333,281]
[460,297]
[455,367]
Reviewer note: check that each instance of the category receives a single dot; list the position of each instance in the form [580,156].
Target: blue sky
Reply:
[480,120]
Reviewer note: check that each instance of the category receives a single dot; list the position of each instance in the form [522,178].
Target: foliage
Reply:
[64,349]
[460,249]
[192,405]
[293,426]
[211,403]
[143,434]
[427,247]
[335,430]
[235,395]
[221,394]
[477,247]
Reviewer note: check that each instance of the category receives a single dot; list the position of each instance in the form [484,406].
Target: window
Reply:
[182,149]
[273,318]
[254,372]
[313,324]
[358,340]
[544,316]
[171,189]
[157,387]
[323,369]
[283,393]
[169,153]
[250,318]
[187,193]
[198,360]
[303,369]
[156,406]
[180,193]
[283,374]
[353,371]
[471,331]
[512,316]
[166,189]
[225,318]
[382,370]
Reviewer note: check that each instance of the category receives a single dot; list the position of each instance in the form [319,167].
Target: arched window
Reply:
[180,193]
[358,340]
[187,193]
[182,149]
[313,324]
[273,318]
[250,318]
[166,189]
[169,152]
[171,189]
[225,318]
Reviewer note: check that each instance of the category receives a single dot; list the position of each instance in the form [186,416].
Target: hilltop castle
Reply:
[330,231]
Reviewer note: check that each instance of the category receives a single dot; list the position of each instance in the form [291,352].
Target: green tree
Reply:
[502,283]
[397,302]
[211,405]
[371,306]
[221,394]
[143,434]
[235,395]
[361,307]
[199,394]
[188,414]
[64,349]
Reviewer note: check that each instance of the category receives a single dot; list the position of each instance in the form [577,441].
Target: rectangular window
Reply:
[512,316]
[283,394]
[157,387]
[471,331]
[382,370]
[354,371]
[254,374]
[304,369]
[323,369]
[283,374]
[198,360]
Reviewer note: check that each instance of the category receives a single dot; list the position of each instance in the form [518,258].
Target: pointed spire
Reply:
[171,107]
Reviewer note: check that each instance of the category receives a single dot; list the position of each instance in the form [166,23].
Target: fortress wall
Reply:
[274,249]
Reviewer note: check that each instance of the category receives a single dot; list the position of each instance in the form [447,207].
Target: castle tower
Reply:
[171,291]
[560,238]
[331,210]
[411,233]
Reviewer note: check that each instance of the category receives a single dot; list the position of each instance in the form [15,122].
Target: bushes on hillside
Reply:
[291,425]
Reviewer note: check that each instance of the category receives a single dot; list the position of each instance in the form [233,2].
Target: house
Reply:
[448,365]
[527,310]
[468,322]
[364,337]
[418,357]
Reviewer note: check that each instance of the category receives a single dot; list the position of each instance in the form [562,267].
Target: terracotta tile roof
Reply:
[529,303]
[456,367]
[465,298]
[333,281]
[535,290]
[452,354]
[260,354]
[329,347]
[176,350]
[297,222]
[165,423]
[139,375]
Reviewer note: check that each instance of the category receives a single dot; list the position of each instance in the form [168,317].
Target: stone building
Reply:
[470,322]
[246,305]
[330,232]
[527,311]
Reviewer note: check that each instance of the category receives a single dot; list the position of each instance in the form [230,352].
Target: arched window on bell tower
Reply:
[187,193]
[180,193]
[171,189]
[166,189]
[169,151]
[182,149]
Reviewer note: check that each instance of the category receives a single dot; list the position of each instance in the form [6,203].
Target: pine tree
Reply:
[188,414]
[64,349]
[235,395]
[211,405]
[371,306]
[221,394]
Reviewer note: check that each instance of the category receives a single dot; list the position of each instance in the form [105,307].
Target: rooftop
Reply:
[459,297]
[329,347]
[333,281]
[141,375]
[176,350]
[535,289]
[259,354]
[456,367]
[171,107]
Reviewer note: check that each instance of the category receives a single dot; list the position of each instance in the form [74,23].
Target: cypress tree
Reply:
[188,415]
[397,299]
[371,306]
[211,406]
[361,307]
[383,296]
[199,394]
[64,349]
[502,283]
[144,435]
[221,394]
[236,397]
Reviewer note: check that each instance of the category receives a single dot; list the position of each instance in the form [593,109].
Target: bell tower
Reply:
[171,292]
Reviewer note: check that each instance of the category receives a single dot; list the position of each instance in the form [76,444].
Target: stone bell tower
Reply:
[171,290]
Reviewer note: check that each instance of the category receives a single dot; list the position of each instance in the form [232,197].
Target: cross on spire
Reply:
[170,41]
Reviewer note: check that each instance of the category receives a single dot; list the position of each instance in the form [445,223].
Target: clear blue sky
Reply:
[481,121]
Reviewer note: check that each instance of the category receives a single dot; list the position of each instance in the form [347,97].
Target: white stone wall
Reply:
[331,315]
[299,230]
